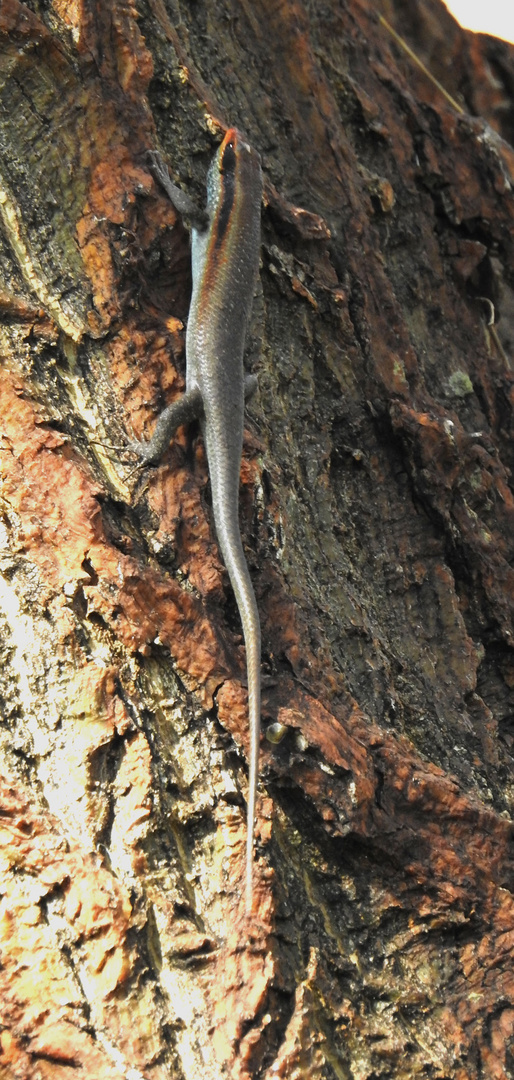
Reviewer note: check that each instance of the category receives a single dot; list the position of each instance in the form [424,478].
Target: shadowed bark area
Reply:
[377,516]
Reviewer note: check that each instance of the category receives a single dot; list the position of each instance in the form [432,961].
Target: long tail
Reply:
[229,539]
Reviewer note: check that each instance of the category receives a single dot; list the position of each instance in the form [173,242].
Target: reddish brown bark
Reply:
[377,514]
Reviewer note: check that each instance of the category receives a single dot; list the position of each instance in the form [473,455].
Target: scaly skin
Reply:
[225,262]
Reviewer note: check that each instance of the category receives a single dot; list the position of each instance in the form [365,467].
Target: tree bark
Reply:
[377,516]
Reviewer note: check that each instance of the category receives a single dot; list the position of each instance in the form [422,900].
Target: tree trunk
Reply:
[377,515]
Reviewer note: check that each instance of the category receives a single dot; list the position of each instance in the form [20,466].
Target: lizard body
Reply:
[225,247]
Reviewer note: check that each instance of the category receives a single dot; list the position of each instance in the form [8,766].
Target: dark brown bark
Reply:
[377,514]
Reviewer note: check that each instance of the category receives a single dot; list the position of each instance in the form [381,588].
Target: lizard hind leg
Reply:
[251,385]
[189,407]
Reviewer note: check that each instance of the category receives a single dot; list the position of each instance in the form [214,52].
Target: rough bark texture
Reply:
[378,518]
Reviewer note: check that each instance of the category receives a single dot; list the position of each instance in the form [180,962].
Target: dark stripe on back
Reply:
[228,181]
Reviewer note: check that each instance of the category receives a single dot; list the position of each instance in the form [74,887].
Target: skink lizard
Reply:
[225,245]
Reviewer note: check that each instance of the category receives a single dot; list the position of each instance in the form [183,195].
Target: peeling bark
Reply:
[377,516]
